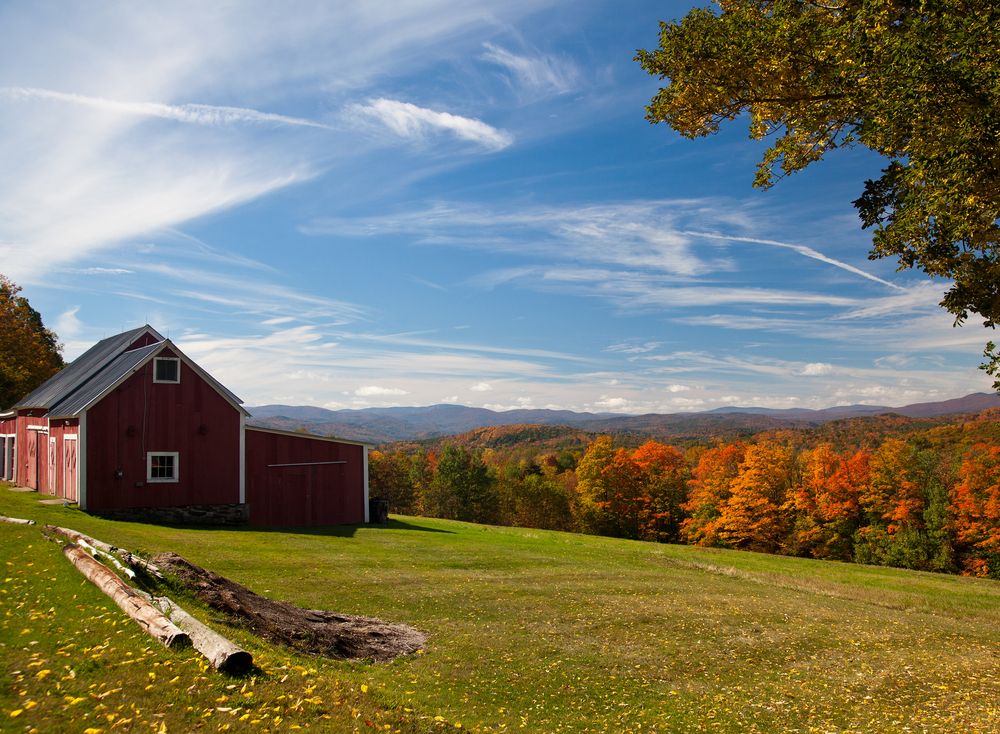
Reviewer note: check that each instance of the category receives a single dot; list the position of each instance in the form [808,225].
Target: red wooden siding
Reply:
[288,496]
[141,416]
[143,341]
[32,451]
[8,429]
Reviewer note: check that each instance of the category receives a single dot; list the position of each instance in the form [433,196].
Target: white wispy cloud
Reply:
[414,123]
[198,114]
[651,234]
[630,234]
[369,390]
[542,73]
[481,387]
[84,170]
[67,325]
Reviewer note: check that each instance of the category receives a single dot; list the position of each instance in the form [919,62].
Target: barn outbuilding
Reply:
[134,429]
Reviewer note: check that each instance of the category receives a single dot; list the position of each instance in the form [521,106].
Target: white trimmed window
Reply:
[162,466]
[167,369]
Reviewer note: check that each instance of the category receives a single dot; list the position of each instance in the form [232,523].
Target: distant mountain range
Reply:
[384,425]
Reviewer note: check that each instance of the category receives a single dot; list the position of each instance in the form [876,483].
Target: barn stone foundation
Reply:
[234,514]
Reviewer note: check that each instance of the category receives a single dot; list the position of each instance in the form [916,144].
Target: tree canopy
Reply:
[29,353]
[917,81]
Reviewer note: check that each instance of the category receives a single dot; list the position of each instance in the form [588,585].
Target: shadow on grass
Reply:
[331,531]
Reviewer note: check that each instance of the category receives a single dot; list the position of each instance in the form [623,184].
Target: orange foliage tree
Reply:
[754,516]
[826,503]
[666,485]
[710,491]
[976,512]
[631,494]
[905,509]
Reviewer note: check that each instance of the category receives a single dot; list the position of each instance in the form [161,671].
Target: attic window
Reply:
[167,369]
[162,466]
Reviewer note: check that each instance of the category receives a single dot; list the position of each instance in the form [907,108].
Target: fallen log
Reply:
[313,631]
[130,559]
[220,652]
[16,520]
[77,537]
[142,612]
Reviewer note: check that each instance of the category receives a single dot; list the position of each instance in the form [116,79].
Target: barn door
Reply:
[31,461]
[71,476]
[11,474]
[51,489]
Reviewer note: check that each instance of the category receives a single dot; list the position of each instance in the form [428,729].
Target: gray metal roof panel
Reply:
[76,374]
[101,381]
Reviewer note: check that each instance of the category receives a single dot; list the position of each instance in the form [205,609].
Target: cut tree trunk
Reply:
[77,537]
[132,560]
[144,613]
[219,651]
[16,520]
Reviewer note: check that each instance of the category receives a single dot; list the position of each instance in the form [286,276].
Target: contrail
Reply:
[802,250]
[200,114]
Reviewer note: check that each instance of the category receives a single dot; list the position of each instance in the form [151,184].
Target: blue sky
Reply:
[362,205]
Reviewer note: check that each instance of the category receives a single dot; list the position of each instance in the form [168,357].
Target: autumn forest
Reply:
[883,490]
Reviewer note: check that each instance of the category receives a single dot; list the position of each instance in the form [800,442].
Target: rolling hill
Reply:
[385,425]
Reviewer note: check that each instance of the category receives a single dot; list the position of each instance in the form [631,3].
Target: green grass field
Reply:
[529,631]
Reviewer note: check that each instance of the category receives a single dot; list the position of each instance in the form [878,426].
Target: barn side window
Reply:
[167,369]
[162,466]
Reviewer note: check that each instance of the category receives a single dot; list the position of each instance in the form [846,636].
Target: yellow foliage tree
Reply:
[29,353]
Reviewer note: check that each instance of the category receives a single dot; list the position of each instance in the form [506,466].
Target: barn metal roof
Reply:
[71,390]
[102,380]
[80,371]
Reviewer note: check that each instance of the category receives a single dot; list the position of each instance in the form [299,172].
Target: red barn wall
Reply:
[32,451]
[289,496]
[143,341]
[8,427]
[140,416]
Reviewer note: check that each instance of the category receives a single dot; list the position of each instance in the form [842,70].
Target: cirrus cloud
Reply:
[412,122]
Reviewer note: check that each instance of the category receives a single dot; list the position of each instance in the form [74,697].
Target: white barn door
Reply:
[71,472]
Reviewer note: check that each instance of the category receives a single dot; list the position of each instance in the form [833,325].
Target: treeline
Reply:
[927,501]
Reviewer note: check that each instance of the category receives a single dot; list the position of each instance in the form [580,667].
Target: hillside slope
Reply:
[529,630]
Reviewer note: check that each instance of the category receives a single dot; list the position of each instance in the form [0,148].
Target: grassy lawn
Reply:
[529,630]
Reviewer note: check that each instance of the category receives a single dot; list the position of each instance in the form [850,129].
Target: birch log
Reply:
[219,651]
[129,558]
[142,612]
[77,537]
[17,520]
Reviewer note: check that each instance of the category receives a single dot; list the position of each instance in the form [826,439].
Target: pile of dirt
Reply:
[340,636]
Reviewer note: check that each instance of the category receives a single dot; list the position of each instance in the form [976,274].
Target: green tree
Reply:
[913,80]
[29,353]
[389,477]
[464,488]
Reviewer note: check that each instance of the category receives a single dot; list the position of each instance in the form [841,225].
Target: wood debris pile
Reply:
[312,631]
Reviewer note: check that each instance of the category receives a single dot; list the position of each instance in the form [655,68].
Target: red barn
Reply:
[134,429]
